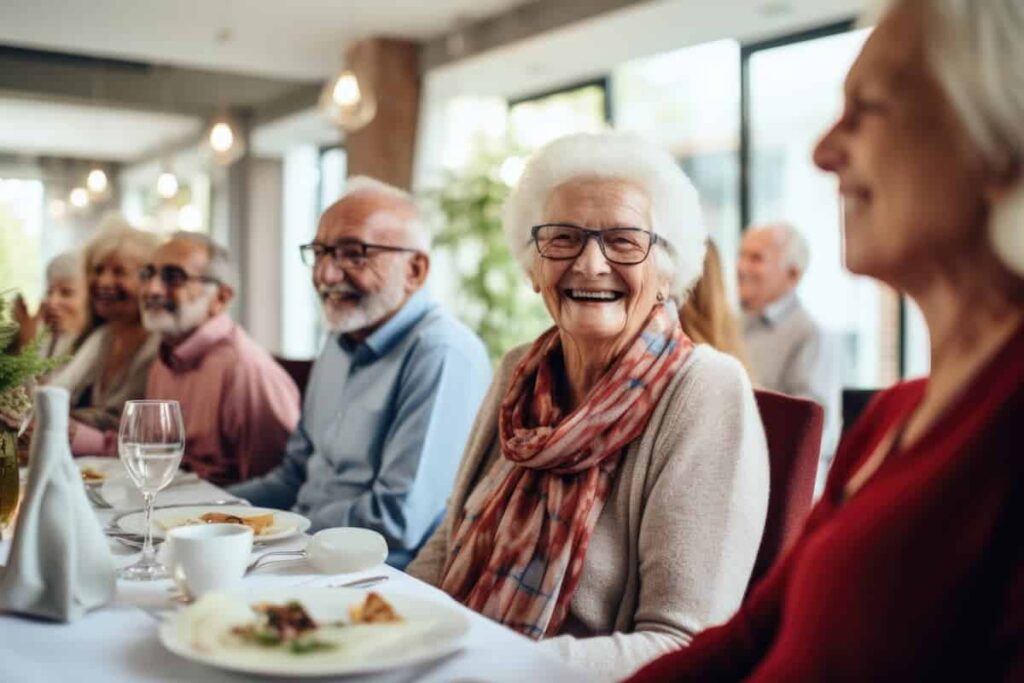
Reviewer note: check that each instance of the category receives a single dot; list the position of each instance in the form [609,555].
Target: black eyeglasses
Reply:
[565,241]
[348,254]
[173,276]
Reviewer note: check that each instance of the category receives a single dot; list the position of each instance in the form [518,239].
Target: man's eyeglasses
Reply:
[348,254]
[564,241]
[173,276]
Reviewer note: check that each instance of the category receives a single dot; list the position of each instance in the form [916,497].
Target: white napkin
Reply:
[60,565]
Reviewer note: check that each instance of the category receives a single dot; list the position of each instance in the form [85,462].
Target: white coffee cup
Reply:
[207,557]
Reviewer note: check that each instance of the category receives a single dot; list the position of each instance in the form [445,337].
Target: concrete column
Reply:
[384,149]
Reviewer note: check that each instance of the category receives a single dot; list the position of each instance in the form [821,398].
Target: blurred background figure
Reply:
[238,404]
[113,362]
[789,352]
[63,315]
[707,316]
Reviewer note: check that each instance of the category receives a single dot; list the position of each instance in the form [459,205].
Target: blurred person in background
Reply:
[112,364]
[911,566]
[64,312]
[393,394]
[706,315]
[238,404]
[788,350]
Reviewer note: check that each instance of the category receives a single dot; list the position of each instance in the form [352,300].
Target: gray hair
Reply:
[415,228]
[113,235]
[975,48]
[796,253]
[675,206]
[219,264]
[66,266]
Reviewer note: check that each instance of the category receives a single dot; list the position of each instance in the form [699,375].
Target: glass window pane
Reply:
[21,239]
[688,101]
[533,123]
[787,117]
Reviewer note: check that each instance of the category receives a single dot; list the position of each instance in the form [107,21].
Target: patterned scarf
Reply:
[519,544]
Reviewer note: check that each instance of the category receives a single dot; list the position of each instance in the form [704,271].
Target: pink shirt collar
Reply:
[190,352]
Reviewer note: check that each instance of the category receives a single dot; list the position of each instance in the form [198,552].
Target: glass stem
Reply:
[148,556]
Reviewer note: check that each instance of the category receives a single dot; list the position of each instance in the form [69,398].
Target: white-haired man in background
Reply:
[788,350]
[394,392]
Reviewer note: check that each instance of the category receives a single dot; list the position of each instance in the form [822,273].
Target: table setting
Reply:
[196,585]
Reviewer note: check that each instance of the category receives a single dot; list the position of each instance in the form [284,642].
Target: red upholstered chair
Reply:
[793,428]
[298,370]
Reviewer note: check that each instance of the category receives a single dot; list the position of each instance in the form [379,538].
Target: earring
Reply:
[661,297]
[1006,230]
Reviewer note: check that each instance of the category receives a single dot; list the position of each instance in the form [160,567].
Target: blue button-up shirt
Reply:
[382,430]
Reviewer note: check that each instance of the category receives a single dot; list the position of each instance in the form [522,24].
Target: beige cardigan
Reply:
[85,371]
[675,544]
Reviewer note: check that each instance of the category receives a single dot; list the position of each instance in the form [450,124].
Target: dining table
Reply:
[119,642]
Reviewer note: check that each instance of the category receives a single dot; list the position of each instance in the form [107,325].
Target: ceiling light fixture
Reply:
[167,185]
[79,198]
[225,139]
[348,102]
[97,182]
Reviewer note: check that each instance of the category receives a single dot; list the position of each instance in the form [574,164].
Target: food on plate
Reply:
[374,610]
[258,523]
[90,474]
[288,625]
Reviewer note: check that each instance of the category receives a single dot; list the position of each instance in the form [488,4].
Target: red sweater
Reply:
[919,575]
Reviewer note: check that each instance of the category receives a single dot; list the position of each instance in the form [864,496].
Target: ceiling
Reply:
[301,39]
[45,128]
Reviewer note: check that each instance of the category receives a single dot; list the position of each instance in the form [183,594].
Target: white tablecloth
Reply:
[119,642]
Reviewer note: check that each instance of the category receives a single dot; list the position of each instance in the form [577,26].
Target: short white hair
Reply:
[675,206]
[66,266]
[975,48]
[796,253]
[219,264]
[415,228]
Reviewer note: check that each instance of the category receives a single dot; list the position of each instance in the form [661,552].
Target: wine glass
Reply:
[151,441]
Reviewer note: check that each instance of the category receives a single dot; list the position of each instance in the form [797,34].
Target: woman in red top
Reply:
[912,565]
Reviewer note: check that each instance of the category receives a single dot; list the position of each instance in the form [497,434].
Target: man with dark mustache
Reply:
[393,394]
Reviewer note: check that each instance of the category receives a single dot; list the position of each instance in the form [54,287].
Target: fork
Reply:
[96,498]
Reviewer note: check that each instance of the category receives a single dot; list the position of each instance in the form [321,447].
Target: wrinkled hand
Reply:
[28,324]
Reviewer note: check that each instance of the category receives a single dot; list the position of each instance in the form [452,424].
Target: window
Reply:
[787,116]
[688,101]
[536,121]
[21,238]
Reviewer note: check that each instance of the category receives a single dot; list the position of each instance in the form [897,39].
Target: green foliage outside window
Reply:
[494,298]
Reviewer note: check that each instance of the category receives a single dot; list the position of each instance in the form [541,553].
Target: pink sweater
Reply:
[238,404]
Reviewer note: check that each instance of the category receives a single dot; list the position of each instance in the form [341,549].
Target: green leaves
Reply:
[494,297]
[17,367]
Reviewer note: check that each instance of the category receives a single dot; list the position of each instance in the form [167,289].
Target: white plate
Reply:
[108,467]
[431,630]
[286,524]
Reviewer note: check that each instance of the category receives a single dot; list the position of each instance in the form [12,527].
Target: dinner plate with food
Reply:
[307,631]
[96,470]
[267,524]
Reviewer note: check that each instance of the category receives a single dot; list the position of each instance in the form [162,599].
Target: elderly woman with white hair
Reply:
[911,567]
[64,310]
[111,365]
[613,492]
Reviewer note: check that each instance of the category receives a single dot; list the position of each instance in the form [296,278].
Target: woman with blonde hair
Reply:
[112,363]
[706,315]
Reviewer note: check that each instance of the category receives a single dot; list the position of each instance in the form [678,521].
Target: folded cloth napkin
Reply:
[60,565]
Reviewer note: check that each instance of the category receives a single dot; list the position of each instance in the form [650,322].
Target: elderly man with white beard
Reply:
[394,392]
[238,404]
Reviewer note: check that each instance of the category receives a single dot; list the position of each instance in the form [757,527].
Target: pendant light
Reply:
[348,101]
[225,139]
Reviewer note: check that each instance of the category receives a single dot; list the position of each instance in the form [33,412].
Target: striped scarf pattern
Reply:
[519,543]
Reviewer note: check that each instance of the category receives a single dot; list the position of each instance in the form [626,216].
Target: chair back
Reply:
[854,403]
[793,429]
[298,370]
